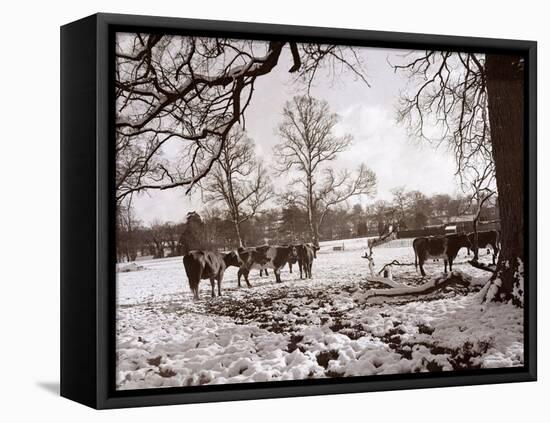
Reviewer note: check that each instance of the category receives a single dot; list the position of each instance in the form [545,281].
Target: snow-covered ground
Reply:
[302,329]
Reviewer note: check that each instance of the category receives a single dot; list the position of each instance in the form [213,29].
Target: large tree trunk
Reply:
[316,236]
[475,246]
[238,232]
[505,85]
[311,215]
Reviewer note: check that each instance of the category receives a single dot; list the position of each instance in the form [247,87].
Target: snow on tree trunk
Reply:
[505,88]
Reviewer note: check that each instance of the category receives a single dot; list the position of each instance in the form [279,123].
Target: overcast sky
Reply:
[368,114]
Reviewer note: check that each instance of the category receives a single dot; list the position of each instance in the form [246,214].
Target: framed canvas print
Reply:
[256,211]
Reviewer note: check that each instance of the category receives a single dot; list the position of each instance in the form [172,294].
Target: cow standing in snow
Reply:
[306,254]
[208,265]
[263,257]
[252,258]
[440,246]
[484,240]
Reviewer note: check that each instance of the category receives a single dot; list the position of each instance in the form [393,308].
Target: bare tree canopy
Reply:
[447,102]
[185,90]
[237,180]
[337,188]
[308,141]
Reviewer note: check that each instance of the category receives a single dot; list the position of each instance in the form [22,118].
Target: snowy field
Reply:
[300,329]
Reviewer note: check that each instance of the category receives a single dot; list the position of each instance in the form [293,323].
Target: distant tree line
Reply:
[214,228]
[415,210]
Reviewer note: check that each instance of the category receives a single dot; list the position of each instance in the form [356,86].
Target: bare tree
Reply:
[158,235]
[215,223]
[420,208]
[475,103]
[309,142]
[383,213]
[339,188]
[186,90]
[401,204]
[126,226]
[238,181]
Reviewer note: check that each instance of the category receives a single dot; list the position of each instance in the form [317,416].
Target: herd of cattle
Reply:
[200,264]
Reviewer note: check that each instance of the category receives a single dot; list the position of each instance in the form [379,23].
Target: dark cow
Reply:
[444,246]
[301,257]
[272,257]
[208,265]
[292,260]
[306,254]
[484,240]
[314,247]
[251,258]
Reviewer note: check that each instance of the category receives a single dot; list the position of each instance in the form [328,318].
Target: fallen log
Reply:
[437,284]
[386,281]
[487,267]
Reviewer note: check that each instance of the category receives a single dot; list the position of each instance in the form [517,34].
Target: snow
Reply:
[300,329]
[494,287]
[518,289]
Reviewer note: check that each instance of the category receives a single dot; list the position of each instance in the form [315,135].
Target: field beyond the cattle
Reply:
[311,328]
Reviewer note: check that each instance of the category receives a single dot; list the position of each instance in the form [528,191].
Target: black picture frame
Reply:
[87,210]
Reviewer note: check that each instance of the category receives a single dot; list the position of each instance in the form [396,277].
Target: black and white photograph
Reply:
[294,211]
[275,212]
